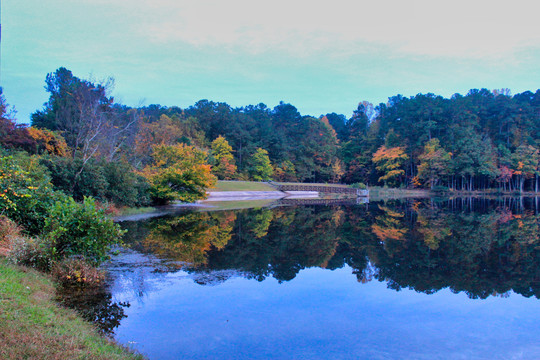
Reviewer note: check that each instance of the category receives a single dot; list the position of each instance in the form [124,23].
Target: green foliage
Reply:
[74,178]
[114,181]
[80,229]
[358,186]
[25,196]
[434,162]
[124,186]
[178,172]
[260,168]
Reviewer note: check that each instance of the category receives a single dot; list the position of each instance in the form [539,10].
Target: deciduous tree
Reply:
[225,167]
[390,161]
[178,172]
[260,166]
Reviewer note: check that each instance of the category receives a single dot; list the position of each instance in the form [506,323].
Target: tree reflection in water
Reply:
[94,305]
[479,246]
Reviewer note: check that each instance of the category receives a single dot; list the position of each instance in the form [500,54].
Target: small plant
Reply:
[33,252]
[77,272]
[108,207]
[9,231]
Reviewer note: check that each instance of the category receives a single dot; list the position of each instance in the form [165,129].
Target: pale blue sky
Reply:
[320,58]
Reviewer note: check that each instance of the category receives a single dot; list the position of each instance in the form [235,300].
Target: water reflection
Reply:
[478,246]
[94,305]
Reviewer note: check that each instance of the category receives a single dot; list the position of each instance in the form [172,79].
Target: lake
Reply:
[410,279]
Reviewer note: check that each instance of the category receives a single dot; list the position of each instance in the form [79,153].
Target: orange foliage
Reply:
[49,141]
[388,233]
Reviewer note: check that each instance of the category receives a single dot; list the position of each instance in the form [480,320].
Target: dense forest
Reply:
[93,146]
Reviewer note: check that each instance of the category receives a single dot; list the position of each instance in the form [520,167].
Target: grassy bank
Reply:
[32,326]
[380,193]
[224,185]
[237,204]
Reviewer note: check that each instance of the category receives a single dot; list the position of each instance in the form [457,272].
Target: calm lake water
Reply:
[414,279]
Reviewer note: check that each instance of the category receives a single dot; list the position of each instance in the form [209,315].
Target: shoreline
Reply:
[34,326]
[257,195]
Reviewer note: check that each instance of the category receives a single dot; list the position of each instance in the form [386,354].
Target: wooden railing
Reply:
[331,189]
[327,202]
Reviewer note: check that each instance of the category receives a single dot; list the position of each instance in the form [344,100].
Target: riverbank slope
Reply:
[32,326]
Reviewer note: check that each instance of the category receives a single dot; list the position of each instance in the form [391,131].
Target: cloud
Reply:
[460,29]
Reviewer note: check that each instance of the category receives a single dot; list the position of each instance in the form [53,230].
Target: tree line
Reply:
[94,146]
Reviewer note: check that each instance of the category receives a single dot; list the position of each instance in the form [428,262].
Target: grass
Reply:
[134,210]
[237,205]
[313,184]
[32,326]
[223,185]
[381,193]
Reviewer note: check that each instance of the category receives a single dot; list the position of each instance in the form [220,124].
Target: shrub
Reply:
[80,229]
[67,176]
[106,181]
[358,185]
[25,196]
[124,186]
[8,230]
[34,252]
[77,272]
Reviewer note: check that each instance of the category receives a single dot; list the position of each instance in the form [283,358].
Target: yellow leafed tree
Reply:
[390,161]
[178,172]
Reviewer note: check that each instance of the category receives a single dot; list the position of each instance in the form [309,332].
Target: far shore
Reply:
[260,194]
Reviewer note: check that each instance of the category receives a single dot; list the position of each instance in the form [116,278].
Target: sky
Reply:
[321,58]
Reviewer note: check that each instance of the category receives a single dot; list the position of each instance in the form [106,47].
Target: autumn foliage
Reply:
[178,172]
[390,162]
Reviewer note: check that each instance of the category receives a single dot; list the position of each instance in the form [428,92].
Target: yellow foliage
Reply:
[178,172]
[49,141]
[388,233]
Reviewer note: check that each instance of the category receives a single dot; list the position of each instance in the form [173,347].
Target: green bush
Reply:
[80,229]
[67,176]
[358,185]
[124,187]
[25,196]
[105,181]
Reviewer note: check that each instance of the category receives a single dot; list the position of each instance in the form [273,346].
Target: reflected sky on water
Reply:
[398,280]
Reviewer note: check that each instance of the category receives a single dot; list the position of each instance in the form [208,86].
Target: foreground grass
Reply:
[223,185]
[32,326]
